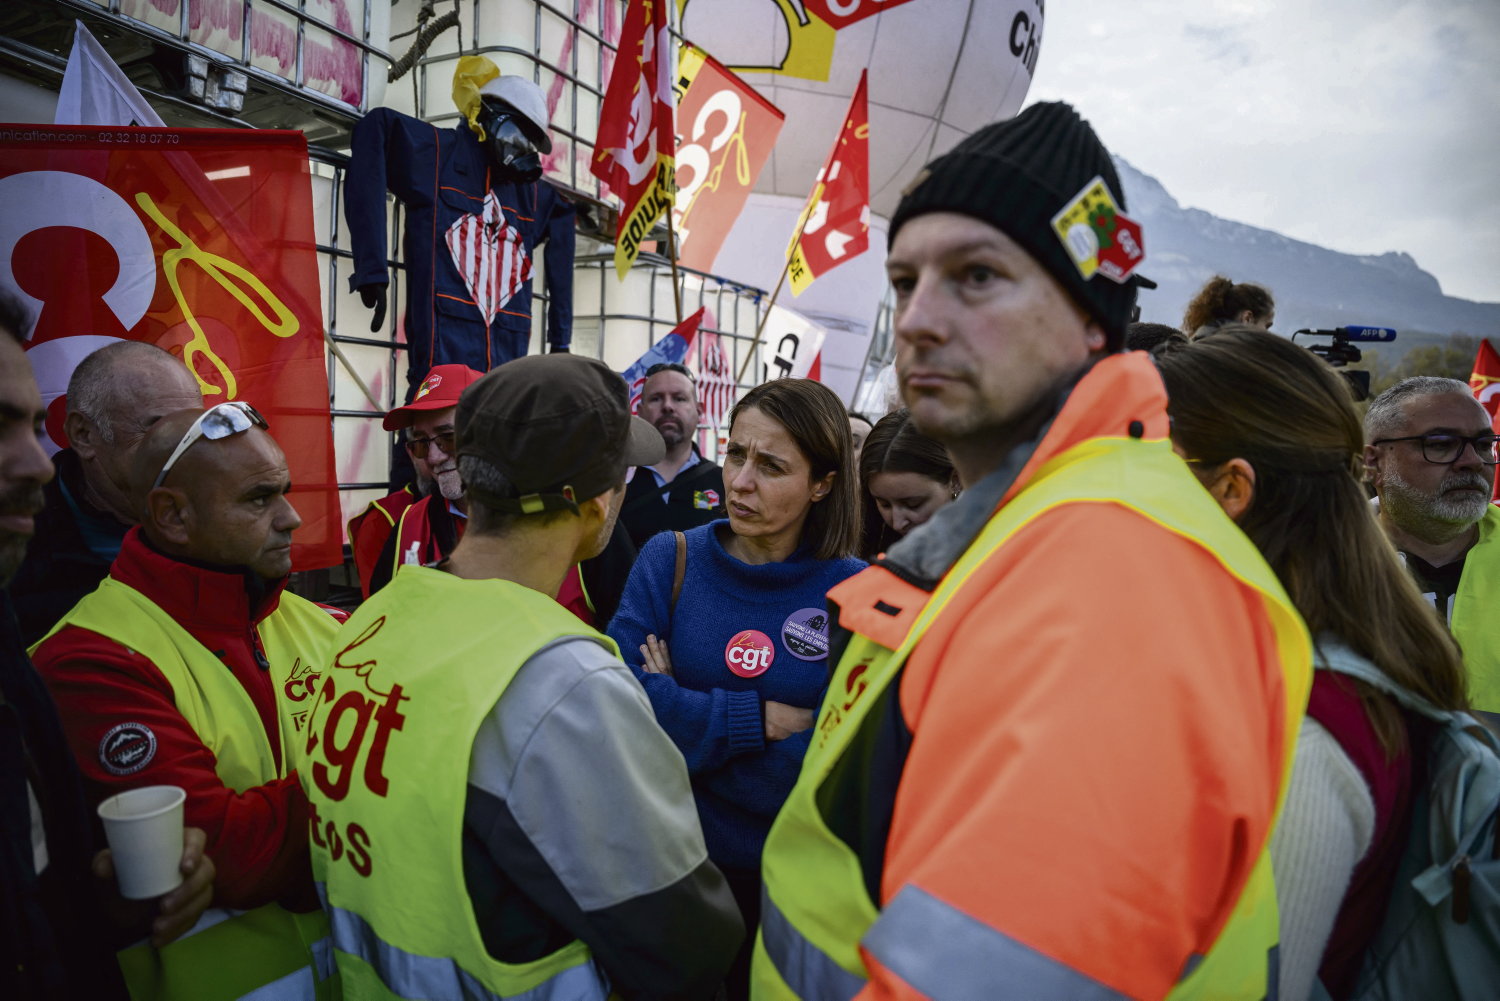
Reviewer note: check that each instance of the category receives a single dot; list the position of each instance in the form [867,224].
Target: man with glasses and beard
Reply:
[1430,455]
[192,666]
[426,530]
[683,490]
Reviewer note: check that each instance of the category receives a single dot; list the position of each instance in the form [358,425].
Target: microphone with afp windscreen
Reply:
[1340,350]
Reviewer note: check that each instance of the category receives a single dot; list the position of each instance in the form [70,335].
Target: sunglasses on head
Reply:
[671,366]
[214,423]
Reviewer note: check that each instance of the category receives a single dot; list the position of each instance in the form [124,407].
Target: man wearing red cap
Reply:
[428,529]
[402,528]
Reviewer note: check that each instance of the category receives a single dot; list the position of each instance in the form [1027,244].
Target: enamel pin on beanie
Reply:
[1098,236]
[1045,180]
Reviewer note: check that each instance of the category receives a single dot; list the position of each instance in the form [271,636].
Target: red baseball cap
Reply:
[439,391]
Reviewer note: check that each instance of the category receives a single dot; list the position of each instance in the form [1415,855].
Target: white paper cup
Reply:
[144,830]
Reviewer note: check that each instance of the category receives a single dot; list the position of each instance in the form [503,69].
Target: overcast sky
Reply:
[1359,125]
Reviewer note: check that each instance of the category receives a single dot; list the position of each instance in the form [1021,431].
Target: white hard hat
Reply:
[526,97]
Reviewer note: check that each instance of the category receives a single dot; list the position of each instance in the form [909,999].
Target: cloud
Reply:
[1219,43]
[1361,125]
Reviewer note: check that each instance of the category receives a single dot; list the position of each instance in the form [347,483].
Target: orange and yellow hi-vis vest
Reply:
[1054,774]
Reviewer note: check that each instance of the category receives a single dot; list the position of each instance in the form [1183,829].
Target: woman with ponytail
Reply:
[1272,433]
[1222,302]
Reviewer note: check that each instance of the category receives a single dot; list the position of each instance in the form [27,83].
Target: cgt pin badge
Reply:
[1098,236]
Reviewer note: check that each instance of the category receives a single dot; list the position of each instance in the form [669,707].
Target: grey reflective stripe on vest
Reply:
[322,954]
[412,976]
[807,970]
[299,985]
[950,956]
[209,918]
[295,986]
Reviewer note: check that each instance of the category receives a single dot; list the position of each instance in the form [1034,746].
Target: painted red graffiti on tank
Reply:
[554,92]
[337,61]
[273,39]
[206,16]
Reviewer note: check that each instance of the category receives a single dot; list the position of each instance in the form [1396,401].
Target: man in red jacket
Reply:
[424,530]
[191,666]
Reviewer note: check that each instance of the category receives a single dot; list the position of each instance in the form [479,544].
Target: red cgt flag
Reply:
[728,132]
[837,213]
[634,151]
[197,240]
[1485,381]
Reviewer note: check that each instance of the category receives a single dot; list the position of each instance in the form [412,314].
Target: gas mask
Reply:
[508,146]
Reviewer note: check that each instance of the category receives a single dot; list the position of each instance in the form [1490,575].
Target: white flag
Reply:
[95,91]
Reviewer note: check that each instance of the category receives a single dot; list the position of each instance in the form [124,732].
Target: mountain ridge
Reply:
[1314,287]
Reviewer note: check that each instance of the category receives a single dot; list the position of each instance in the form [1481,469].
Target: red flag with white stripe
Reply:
[838,210]
[1485,382]
[635,150]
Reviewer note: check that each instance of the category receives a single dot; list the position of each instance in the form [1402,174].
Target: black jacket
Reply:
[59,568]
[695,497]
[52,938]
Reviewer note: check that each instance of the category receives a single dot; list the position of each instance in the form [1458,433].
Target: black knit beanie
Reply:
[1017,175]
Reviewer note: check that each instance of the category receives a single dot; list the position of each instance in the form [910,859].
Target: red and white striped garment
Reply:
[491,257]
[716,390]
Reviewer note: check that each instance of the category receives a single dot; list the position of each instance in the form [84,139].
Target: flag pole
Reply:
[672,258]
[760,328]
[349,367]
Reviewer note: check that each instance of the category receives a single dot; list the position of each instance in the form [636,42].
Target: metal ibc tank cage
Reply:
[318,66]
[567,50]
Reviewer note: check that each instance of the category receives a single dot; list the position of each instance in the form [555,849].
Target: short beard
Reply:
[28,499]
[450,485]
[12,555]
[676,436]
[1434,516]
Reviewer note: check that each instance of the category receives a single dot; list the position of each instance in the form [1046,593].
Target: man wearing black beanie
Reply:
[1050,758]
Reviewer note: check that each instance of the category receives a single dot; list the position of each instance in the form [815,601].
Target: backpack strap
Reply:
[680,569]
[1332,654]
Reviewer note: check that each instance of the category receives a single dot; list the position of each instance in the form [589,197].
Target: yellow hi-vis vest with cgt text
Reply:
[268,952]
[388,750]
[816,909]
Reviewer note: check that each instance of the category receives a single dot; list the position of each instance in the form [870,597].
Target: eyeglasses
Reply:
[671,366]
[214,423]
[1443,449]
[418,446]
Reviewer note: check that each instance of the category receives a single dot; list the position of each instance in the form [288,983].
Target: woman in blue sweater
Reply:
[734,671]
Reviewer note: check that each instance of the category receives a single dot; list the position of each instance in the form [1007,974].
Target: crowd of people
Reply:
[1087,671]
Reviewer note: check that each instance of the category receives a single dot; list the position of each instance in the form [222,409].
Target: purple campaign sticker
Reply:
[805,633]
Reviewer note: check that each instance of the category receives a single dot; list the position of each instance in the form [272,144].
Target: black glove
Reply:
[373,296]
[560,349]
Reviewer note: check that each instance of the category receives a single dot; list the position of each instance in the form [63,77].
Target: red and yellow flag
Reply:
[633,154]
[728,131]
[1485,381]
[835,223]
[199,241]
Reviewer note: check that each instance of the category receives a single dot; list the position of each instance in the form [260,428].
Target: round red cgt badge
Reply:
[749,653]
